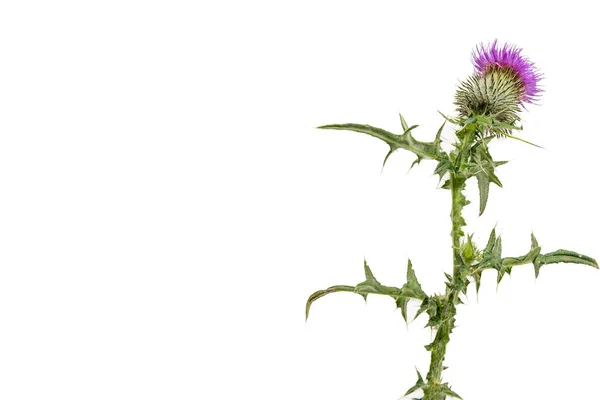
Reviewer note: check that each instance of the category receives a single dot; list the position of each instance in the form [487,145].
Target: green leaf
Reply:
[448,277]
[497,250]
[438,135]
[562,256]
[491,254]
[444,166]
[423,150]
[403,122]
[483,167]
[433,306]
[368,273]
[320,293]
[410,290]
[402,304]
[412,287]
[454,121]
[497,260]
[491,242]
[522,140]
[525,259]
[484,188]
[445,389]
[425,306]
[534,242]
[419,385]
[372,285]
[492,258]
[477,278]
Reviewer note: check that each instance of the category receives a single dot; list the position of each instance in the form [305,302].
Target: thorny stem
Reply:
[450,299]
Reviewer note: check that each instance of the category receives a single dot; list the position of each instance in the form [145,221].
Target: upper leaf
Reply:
[482,168]
[423,150]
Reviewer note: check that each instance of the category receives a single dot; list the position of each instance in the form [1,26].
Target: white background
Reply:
[166,205]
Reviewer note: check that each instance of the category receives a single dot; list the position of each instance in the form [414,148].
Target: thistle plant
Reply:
[488,106]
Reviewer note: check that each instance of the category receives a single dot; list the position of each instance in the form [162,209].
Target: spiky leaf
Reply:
[483,168]
[320,293]
[419,385]
[492,258]
[423,150]
[410,290]
[412,287]
[444,166]
[562,256]
[445,389]
[433,306]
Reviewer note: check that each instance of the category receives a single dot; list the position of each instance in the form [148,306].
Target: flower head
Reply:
[502,82]
[509,58]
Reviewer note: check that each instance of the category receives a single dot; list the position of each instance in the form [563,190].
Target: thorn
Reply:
[386,158]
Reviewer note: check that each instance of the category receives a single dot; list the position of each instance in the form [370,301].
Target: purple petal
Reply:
[509,56]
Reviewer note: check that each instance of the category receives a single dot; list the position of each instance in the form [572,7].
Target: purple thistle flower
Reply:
[508,58]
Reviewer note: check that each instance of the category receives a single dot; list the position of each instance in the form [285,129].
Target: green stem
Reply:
[458,202]
[451,297]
